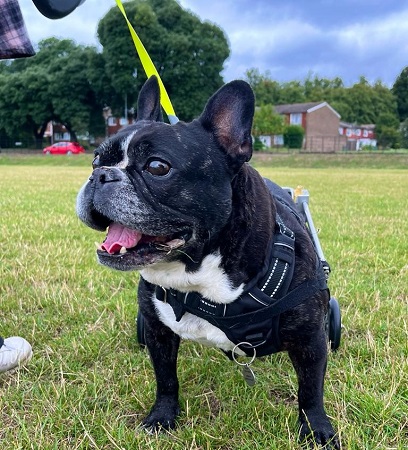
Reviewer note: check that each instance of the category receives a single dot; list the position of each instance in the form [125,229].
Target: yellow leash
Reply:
[149,68]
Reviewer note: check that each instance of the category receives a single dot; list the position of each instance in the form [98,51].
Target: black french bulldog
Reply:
[215,250]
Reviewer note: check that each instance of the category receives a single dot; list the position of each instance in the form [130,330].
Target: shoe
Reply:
[14,352]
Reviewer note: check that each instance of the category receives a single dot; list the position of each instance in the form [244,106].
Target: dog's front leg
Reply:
[163,351]
[310,364]
[163,346]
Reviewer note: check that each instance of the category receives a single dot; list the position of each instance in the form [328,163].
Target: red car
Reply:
[64,148]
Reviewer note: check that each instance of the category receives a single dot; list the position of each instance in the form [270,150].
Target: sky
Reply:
[286,39]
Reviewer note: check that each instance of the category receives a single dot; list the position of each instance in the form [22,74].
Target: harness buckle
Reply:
[161,294]
[284,230]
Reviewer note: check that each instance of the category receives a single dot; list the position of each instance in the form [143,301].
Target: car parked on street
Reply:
[64,148]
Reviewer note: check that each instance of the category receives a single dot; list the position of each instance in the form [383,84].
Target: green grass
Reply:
[294,159]
[89,385]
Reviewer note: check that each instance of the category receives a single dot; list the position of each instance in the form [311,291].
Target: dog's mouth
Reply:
[132,246]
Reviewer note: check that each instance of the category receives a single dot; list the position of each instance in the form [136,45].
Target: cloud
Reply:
[290,39]
[384,32]
[378,48]
[265,41]
[292,47]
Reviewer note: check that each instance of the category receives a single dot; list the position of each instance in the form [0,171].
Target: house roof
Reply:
[368,126]
[295,108]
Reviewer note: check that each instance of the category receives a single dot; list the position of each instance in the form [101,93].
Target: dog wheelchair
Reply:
[300,198]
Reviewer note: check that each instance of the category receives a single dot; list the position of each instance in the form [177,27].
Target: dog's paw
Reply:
[318,433]
[162,417]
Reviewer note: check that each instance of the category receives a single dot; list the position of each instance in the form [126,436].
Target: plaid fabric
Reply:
[14,40]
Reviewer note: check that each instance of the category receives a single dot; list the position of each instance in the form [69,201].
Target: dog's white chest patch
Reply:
[210,281]
[193,328]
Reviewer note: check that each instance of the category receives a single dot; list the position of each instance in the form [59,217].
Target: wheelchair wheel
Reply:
[140,329]
[334,324]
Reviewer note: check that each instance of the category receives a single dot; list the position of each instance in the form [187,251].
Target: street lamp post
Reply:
[106,112]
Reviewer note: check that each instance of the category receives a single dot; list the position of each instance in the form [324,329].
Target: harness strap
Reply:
[277,279]
[195,303]
[258,326]
[255,326]
[257,294]
[254,316]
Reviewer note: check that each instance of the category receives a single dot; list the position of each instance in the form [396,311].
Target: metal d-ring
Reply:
[237,347]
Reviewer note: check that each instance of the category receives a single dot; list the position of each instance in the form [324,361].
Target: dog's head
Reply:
[163,191]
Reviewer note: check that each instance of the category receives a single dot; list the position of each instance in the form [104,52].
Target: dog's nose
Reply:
[104,175]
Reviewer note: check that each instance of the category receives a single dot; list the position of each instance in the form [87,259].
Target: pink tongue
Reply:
[119,236]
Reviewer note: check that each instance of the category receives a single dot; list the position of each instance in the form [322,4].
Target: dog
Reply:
[184,208]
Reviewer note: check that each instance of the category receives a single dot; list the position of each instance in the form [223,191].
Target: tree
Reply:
[387,131]
[53,85]
[25,106]
[267,121]
[74,111]
[188,54]
[363,103]
[404,134]
[292,92]
[359,97]
[400,90]
[267,91]
[316,89]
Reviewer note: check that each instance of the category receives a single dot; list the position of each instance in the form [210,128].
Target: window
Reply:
[295,119]
[358,132]
[348,132]
[365,133]
[123,121]
[62,136]
[111,121]
[278,139]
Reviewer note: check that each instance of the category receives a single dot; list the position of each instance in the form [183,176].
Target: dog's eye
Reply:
[95,162]
[158,167]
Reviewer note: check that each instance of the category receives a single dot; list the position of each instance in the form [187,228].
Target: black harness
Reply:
[252,320]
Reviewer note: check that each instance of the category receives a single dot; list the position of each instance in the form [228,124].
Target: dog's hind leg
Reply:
[310,365]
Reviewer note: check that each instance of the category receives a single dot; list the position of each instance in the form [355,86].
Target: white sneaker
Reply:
[14,352]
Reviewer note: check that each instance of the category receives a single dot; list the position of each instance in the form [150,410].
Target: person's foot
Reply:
[14,352]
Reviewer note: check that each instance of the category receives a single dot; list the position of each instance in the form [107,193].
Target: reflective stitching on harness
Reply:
[257,299]
[281,279]
[283,245]
[284,228]
[208,304]
[270,275]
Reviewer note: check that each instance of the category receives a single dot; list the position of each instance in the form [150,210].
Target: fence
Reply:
[16,143]
[311,144]
[324,144]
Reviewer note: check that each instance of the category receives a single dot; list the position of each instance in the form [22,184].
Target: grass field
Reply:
[89,385]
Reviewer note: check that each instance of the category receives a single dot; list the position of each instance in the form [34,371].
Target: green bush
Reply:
[293,136]
[258,144]
[388,137]
[368,148]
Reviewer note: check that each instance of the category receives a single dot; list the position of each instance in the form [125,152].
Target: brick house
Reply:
[320,122]
[56,132]
[114,124]
[358,136]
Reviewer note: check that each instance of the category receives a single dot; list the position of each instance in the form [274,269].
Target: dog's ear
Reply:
[148,103]
[228,114]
